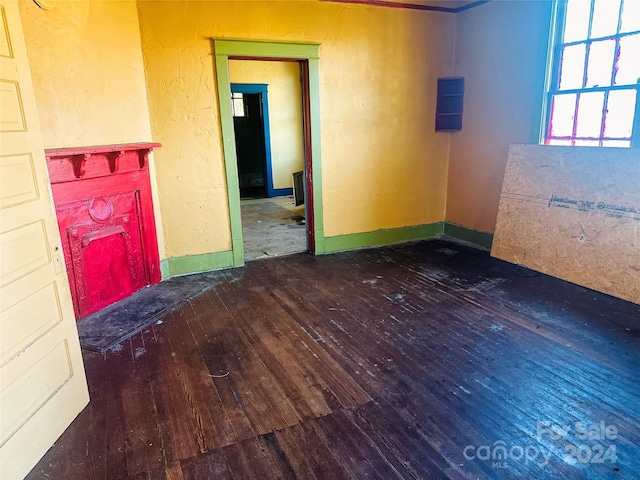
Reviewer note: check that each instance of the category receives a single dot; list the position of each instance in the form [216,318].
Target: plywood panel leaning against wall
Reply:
[573,213]
[42,381]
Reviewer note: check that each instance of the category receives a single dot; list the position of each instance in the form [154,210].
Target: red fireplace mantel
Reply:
[104,208]
[78,157]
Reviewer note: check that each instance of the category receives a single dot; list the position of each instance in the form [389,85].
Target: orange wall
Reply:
[383,166]
[501,51]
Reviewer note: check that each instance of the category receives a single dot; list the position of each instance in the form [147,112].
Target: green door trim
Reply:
[304,53]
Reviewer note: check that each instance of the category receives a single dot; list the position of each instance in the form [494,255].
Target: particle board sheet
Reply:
[573,213]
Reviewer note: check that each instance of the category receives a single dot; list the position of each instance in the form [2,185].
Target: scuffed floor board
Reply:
[573,213]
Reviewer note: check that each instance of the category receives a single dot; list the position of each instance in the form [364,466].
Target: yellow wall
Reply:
[383,165]
[87,72]
[88,75]
[285,112]
[501,52]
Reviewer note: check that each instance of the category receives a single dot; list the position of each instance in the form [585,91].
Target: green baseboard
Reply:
[380,238]
[175,266]
[164,269]
[189,264]
[479,239]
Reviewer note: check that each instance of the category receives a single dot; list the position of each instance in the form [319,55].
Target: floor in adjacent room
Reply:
[426,360]
[272,227]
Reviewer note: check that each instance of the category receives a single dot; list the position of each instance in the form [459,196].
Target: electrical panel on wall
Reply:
[449,104]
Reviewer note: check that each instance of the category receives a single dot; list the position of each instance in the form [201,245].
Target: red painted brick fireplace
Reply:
[102,197]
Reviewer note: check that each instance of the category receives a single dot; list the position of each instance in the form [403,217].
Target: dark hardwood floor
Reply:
[417,361]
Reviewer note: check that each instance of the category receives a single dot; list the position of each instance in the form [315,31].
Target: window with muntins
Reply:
[594,99]
[237,105]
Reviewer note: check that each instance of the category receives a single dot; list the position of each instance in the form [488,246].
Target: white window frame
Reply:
[552,82]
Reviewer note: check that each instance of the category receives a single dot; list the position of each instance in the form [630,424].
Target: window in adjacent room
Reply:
[594,91]
[237,104]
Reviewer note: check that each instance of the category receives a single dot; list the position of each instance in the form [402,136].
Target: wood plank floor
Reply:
[417,361]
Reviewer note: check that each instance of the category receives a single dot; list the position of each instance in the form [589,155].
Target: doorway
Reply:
[266,103]
[306,56]
[250,109]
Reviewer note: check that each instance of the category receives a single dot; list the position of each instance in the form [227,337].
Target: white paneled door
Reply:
[42,380]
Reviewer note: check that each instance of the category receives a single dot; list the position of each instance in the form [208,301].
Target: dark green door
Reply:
[250,144]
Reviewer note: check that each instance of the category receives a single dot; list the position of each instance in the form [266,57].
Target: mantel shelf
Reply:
[79,156]
[122,147]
